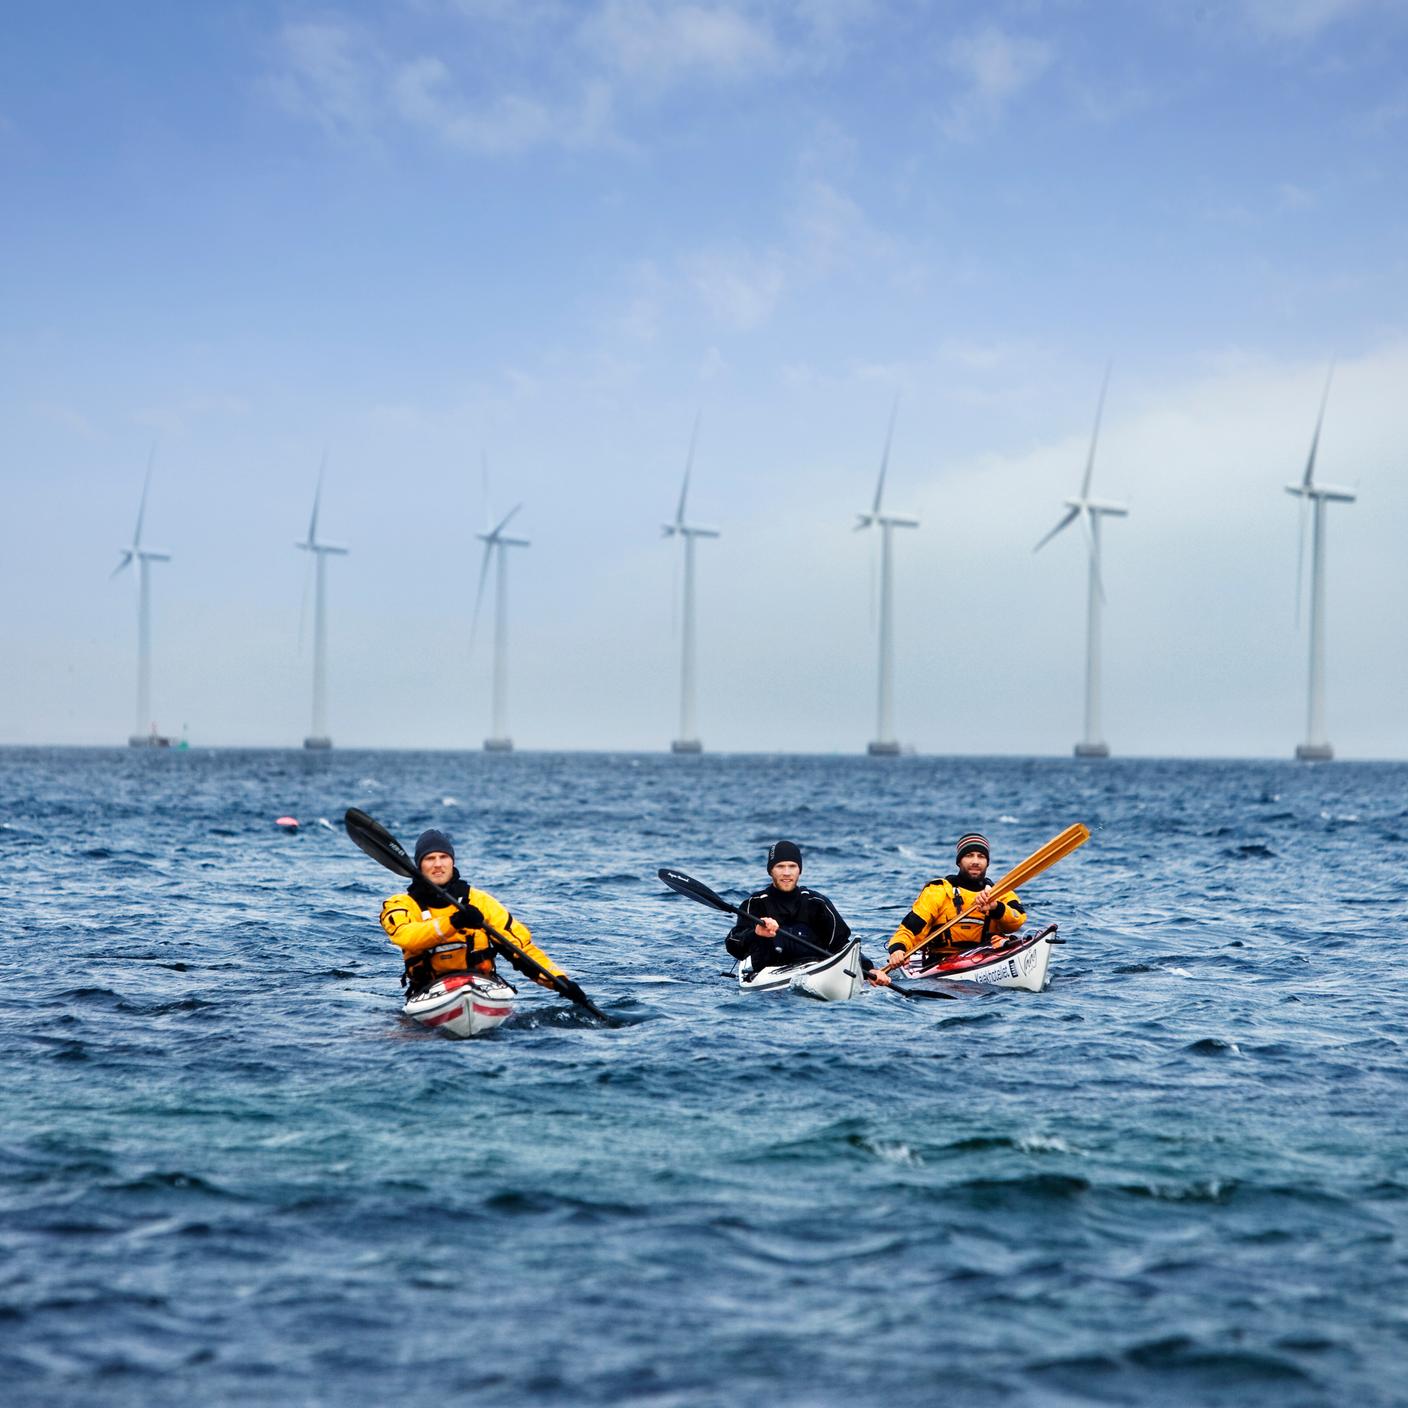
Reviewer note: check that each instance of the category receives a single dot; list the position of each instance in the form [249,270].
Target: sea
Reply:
[232,1172]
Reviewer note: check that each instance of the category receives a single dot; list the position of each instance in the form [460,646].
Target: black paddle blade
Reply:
[922,992]
[373,838]
[696,890]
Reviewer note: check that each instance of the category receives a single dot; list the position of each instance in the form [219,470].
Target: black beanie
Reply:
[433,840]
[784,850]
[973,841]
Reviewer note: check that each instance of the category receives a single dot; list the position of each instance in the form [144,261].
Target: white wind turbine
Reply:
[885,743]
[144,734]
[688,741]
[319,738]
[496,544]
[1316,748]
[1090,511]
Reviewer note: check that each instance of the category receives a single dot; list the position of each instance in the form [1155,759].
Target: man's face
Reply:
[785,875]
[437,867]
[973,864]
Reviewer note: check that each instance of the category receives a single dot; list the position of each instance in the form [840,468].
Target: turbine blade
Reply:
[479,596]
[885,458]
[688,470]
[1309,479]
[142,507]
[1064,523]
[504,523]
[126,562]
[317,499]
[1094,436]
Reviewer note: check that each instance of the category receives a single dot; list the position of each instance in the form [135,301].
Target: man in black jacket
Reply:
[785,905]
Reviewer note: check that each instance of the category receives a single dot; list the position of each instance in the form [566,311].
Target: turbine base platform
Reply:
[148,740]
[1314,753]
[315,744]
[498,745]
[883,748]
[1092,750]
[686,745]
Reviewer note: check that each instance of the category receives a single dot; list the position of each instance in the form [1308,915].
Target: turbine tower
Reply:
[1316,748]
[1090,511]
[318,738]
[144,734]
[885,745]
[495,544]
[688,741]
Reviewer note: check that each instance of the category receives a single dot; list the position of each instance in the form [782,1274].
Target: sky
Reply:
[480,253]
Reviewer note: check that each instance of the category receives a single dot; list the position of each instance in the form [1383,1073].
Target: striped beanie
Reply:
[974,841]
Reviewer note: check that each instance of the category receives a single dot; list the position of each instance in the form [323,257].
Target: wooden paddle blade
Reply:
[696,890]
[372,837]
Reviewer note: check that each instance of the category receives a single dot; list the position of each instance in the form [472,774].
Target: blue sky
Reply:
[425,233]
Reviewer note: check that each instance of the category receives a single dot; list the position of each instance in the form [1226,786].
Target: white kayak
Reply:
[831,979]
[463,1004]
[1018,961]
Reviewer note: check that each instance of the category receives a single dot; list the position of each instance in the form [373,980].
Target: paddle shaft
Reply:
[1043,857]
[375,840]
[683,884]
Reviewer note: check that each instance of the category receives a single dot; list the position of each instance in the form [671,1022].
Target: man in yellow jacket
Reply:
[940,900]
[437,938]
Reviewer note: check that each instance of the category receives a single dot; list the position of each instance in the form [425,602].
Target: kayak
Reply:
[463,1004]
[831,979]
[1019,961]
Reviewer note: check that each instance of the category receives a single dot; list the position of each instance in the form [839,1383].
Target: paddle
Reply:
[697,890]
[372,837]
[1040,859]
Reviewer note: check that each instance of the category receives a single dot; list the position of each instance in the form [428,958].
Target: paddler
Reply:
[940,900]
[784,905]
[437,938]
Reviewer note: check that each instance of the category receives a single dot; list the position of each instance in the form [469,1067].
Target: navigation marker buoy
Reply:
[286,823]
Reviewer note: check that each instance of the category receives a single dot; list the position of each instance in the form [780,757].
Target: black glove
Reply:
[568,988]
[467,916]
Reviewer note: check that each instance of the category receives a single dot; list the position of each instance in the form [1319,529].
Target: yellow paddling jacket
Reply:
[938,902]
[433,946]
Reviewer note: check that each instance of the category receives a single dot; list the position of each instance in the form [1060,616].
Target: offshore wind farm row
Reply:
[1084,508]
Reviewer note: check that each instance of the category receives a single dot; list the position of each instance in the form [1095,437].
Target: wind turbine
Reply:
[319,738]
[144,735]
[495,543]
[1316,748]
[688,741]
[885,745]
[1090,511]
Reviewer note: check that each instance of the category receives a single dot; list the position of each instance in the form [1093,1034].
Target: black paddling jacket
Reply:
[804,910]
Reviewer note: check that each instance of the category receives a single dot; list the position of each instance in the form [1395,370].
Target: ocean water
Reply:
[231,1172]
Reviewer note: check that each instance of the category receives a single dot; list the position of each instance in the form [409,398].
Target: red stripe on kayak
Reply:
[490,1011]
[443,1017]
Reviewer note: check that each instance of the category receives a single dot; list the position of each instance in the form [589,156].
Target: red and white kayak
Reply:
[831,979]
[1018,961]
[463,1004]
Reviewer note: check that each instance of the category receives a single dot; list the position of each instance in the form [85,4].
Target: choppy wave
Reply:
[232,1172]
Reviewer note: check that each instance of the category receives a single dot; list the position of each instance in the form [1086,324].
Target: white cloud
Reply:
[995,67]
[657,42]
[327,71]
[740,288]
[1299,19]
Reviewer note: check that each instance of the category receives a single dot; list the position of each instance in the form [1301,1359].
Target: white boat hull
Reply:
[834,978]
[463,1004]
[1021,964]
